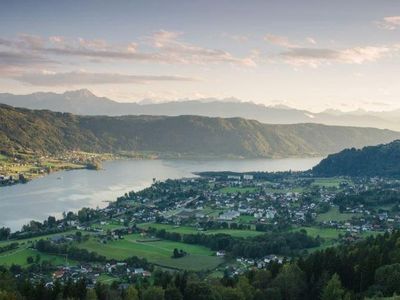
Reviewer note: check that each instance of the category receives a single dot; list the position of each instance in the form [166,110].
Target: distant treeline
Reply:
[72,252]
[286,243]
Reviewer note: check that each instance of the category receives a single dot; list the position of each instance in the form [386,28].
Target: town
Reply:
[214,224]
[22,166]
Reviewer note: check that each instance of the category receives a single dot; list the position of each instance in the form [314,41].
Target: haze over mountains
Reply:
[83,102]
[43,131]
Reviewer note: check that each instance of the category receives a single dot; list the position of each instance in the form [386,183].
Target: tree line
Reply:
[284,243]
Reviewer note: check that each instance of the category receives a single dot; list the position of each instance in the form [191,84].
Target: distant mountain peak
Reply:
[82,93]
[281,106]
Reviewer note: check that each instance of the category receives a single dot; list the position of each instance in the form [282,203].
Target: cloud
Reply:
[84,78]
[315,57]
[174,49]
[12,62]
[278,40]
[166,47]
[389,23]
[311,40]
[21,59]
[236,37]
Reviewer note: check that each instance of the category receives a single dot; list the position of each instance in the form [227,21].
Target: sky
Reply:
[314,55]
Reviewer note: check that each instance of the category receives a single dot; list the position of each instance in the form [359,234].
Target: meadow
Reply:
[158,252]
[20,255]
[192,230]
[334,215]
[330,182]
[235,190]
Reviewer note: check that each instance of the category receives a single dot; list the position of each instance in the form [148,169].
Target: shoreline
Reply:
[119,184]
[100,158]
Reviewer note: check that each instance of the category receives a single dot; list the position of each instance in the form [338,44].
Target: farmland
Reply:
[192,230]
[334,215]
[19,257]
[158,252]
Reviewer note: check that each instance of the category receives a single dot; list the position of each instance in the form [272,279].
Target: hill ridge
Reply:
[44,131]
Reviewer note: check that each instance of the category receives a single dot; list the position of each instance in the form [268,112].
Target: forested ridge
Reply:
[47,132]
[381,160]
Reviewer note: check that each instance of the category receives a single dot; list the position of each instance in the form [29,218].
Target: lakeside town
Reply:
[212,224]
[24,166]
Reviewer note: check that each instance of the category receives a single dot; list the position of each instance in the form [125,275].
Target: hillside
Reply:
[83,102]
[381,160]
[191,136]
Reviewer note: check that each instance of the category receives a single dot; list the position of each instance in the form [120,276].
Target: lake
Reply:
[72,190]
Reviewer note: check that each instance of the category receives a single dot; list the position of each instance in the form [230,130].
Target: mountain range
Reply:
[44,131]
[83,102]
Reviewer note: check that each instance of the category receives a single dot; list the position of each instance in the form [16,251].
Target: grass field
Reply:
[329,182]
[284,191]
[157,252]
[325,233]
[192,230]
[104,278]
[334,215]
[33,239]
[246,219]
[235,190]
[20,255]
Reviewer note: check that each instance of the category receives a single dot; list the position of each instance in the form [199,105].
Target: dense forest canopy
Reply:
[381,160]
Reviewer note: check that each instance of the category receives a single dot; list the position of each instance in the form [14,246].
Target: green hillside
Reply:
[381,160]
[50,132]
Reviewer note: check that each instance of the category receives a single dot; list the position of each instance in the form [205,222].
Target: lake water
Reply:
[72,190]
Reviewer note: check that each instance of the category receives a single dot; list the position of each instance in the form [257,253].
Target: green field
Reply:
[329,182]
[33,239]
[107,279]
[19,257]
[192,230]
[246,219]
[334,215]
[235,190]
[157,252]
[325,233]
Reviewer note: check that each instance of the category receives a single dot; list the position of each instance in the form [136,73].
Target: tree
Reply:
[333,289]
[291,282]
[131,293]
[175,253]
[7,296]
[262,279]
[153,293]
[198,291]
[51,221]
[388,278]
[4,233]
[228,293]
[245,288]
[91,294]
[172,293]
